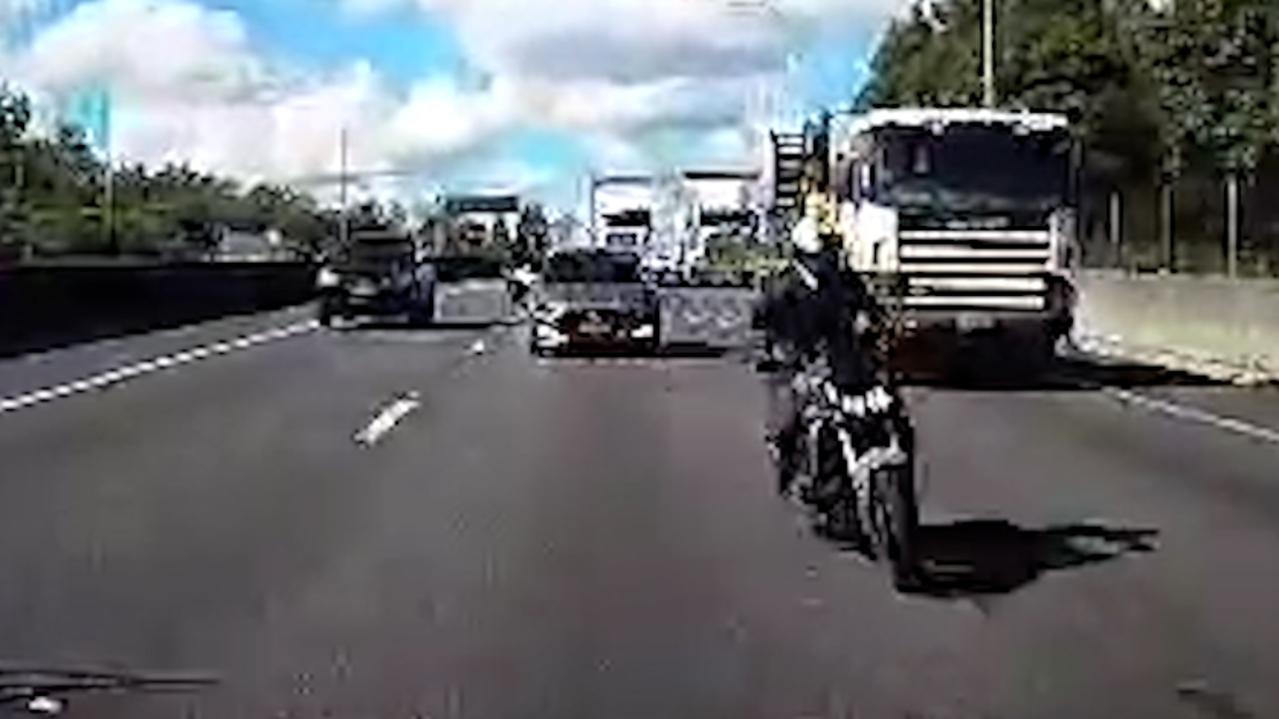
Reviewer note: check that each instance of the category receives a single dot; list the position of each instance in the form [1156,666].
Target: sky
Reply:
[526,96]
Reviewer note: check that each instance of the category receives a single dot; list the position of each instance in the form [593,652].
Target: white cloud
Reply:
[188,86]
[643,40]
[147,48]
[641,82]
[618,69]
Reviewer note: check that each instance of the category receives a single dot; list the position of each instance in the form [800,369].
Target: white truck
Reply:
[969,217]
[622,212]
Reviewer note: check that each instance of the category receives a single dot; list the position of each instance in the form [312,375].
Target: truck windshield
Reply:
[593,267]
[974,169]
[379,254]
[460,269]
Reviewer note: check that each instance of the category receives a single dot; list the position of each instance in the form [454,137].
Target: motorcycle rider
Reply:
[818,309]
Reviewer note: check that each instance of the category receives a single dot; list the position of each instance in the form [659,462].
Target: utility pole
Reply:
[344,229]
[592,225]
[988,53]
[1116,227]
[1232,225]
[108,183]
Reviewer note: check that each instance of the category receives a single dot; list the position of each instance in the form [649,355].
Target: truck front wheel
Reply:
[330,310]
[1039,353]
[422,316]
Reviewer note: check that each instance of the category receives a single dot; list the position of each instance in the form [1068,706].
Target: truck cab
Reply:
[966,221]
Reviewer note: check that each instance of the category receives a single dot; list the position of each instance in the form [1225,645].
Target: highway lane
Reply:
[38,370]
[565,538]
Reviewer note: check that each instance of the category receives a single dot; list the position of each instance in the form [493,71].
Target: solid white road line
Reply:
[118,375]
[1192,414]
[386,420]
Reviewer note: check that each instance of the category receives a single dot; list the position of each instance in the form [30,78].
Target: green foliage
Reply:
[53,200]
[1150,90]
[931,58]
[1217,62]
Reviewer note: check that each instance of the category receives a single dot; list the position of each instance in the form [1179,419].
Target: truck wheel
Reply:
[327,311]
[421,317]
[1040,354]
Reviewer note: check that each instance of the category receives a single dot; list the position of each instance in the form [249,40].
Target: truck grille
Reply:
[975,270]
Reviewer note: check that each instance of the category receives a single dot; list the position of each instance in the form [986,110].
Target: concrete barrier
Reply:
[715,317]
[473,302]
[48,306]
[1209,321]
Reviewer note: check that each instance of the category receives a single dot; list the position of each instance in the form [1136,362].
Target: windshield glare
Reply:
[593,267]
[380,254]
[972,168]
[458,269]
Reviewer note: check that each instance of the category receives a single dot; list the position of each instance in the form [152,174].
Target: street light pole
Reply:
[592,224]
[344,217]
[988,52]
[108,199]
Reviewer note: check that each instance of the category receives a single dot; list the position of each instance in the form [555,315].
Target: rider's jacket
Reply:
[811,313]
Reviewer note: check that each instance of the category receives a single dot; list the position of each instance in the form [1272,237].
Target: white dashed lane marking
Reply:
[386,419]
[1193,414]
[119,375]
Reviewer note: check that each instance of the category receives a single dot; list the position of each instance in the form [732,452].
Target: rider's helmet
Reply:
[817,230]
[807,236]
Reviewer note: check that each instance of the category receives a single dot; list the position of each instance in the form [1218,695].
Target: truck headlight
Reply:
[643,332]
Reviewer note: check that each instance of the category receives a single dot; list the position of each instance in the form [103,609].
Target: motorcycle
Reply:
[853,467]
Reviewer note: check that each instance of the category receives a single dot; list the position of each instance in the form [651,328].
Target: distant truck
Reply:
[469,290]
[377,275]
[966,218]
[593,299]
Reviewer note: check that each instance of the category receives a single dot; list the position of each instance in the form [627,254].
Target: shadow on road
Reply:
[405,325]
[629,352]
[988,557]
[1068,374]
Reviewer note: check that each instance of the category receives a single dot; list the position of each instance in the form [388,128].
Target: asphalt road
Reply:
[522,538]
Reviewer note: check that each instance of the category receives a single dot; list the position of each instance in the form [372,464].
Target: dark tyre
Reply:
[832,495]
[897,521]
[328,311]
[1039,354]
[536,349]
[421,316]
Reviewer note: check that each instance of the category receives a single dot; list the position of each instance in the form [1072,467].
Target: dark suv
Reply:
[378,275]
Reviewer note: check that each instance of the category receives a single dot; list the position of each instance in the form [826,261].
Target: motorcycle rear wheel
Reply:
[896,522]
[834,500]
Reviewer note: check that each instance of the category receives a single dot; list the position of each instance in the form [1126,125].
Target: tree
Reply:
[1217,77]
[52,193]
[15,118]
[931,58]
[533,233]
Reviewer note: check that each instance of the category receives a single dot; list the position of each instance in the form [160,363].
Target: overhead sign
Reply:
[492,204]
